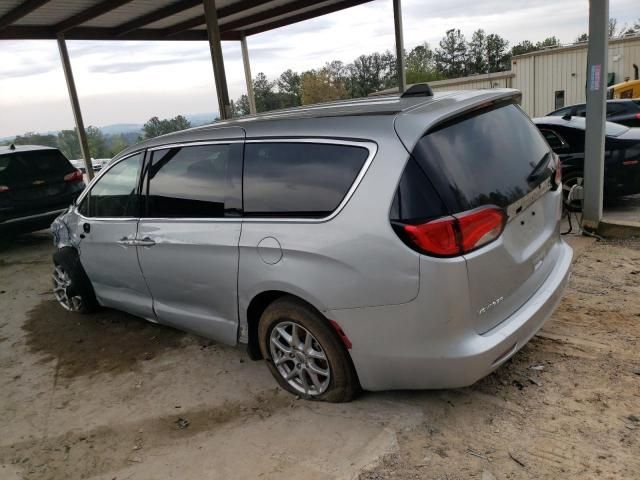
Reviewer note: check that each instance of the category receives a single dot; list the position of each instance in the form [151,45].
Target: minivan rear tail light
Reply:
[75,176]
[638,116]
[4,188]
[458,234]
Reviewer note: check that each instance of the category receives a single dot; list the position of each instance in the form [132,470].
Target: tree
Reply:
[548,42]
[498,58]
[319,86]
[420,65]
[477,52]
[452,54]
[370,73]
[613,27]
[68,143]
[523,47]
[33,138]
[155,127]
[240,107]
[289,86]
[584,37]
[97,143]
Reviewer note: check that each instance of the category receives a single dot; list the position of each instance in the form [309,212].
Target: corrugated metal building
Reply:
[552,78]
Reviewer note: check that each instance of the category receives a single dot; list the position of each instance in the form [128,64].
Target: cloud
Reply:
[128,81]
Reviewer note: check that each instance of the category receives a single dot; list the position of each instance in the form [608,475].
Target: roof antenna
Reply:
[12,147]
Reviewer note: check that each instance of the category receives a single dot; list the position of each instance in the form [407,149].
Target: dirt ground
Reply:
[110,396]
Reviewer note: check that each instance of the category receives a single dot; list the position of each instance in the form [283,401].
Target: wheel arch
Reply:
[259,304]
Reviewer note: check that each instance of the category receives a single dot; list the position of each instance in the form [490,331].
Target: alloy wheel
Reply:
[61,286]
[299,358]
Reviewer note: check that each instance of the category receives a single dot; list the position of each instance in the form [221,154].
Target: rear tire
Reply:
[297,343]
[72,287]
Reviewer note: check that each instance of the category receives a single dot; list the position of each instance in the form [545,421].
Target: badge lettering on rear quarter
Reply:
[491,306]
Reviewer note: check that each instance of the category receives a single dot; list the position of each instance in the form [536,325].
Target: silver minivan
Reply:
[403,242]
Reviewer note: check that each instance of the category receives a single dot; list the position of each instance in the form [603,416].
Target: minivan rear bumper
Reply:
[450,356]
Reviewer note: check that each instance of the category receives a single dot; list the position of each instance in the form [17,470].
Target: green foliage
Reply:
[477,52]
[498,58]
[32,138]
[451,57]
[548,42]
[321,86]
[522,48]
[156,127]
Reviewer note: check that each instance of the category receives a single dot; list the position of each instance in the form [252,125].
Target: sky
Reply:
[129,82]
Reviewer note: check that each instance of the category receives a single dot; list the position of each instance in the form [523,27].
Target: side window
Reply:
[581,111]
[561,112]
[195,182]
[416,199]
[554,140]
[116,193]
[297,179]
[615,109]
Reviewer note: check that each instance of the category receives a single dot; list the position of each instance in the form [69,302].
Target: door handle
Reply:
[145,242]
[127,242]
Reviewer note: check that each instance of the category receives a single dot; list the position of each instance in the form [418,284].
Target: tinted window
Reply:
[195,182]
[116,193]
[416,199]
[33,165]
[298,179]
[561,112]
[615,108]
[553,139]
[492,157]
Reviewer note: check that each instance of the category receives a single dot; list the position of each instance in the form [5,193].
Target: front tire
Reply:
[304,354]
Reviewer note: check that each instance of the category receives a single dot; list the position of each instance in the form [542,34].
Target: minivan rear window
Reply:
[298,179]
[33,165]
[494,156]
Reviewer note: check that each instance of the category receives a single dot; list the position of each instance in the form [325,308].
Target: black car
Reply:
[621,160]
[36,184]
[624,112]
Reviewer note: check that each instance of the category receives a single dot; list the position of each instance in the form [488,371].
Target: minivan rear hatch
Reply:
[496,156]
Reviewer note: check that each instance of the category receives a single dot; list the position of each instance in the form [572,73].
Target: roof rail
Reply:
[418,90]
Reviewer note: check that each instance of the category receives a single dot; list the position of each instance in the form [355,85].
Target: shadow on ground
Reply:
[107,341]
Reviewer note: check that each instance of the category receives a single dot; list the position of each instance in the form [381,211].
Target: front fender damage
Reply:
[64,230]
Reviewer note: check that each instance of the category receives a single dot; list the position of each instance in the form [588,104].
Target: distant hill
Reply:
[118,128]
[128,129]
[198,119]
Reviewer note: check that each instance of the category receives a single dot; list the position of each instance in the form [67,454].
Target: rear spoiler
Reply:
[414,123]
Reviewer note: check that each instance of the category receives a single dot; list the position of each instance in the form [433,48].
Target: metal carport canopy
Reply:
[153,19]
[162,20]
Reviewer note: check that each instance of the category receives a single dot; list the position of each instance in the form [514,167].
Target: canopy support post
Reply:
[75,105]
[596,110]
[397,23]
[247,74]
[213,33]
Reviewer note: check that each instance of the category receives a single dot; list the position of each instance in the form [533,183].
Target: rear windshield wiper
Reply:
[540,166]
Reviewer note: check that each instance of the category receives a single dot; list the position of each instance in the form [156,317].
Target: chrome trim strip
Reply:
[530,198]
[195,143]
[33,217]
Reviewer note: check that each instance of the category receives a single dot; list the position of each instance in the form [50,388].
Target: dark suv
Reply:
[624,112]
[36,184]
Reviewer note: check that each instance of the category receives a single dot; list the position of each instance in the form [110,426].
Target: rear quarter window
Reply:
[488,157]
[298,179]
